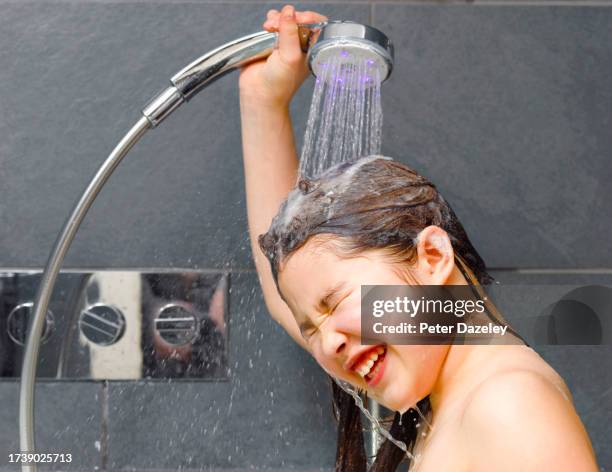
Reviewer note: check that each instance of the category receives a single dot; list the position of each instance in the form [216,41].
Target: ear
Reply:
[435,256]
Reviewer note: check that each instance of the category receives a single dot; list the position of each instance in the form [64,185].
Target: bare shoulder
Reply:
[522,419]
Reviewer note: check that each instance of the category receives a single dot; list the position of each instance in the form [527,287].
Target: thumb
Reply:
[288,38]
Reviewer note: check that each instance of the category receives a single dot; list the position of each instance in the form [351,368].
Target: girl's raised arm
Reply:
[270,157]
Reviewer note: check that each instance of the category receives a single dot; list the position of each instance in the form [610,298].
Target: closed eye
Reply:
[309,333]
[339,302]
[308,329]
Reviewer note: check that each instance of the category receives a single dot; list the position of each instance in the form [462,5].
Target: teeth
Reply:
[364,366]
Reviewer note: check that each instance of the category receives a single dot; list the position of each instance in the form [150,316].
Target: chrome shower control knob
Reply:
[102,324]
[18,320]
[176,325]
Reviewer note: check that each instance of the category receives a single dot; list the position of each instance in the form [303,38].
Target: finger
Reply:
[272,18]
[310,17]
[276,21]
[271,23]
[271,14]
[269,26]
[288,38]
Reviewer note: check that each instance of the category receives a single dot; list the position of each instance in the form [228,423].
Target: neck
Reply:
[458,362]
[456,370]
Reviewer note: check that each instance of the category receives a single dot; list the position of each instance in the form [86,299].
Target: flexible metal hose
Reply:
[45,289]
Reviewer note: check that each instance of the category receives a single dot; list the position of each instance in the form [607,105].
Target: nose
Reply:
[334,342]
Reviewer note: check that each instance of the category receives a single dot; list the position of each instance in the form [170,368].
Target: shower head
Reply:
[349,42]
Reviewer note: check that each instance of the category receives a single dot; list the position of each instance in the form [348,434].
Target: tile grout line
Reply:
[442,3]
[539,3]
[372,5]
[434,3]
[104,432]
[553,271]
[184,2]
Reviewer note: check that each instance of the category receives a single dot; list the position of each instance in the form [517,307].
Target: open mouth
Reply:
[369,365]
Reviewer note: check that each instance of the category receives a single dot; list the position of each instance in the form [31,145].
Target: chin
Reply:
[400,399]
[400,391]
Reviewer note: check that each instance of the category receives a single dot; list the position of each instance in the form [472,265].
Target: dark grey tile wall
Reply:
[68,420]
[274,412]
[587,370]
[507,108]
[75,79]
[519,93]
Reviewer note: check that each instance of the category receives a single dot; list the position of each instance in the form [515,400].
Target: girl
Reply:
[377,222]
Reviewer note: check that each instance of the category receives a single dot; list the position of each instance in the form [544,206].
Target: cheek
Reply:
[422,366]
[329,365]
[321,358]
[347,318]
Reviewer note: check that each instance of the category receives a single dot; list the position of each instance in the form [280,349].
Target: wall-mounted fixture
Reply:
[120,325]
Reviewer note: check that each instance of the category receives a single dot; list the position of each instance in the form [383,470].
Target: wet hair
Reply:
[371,203]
